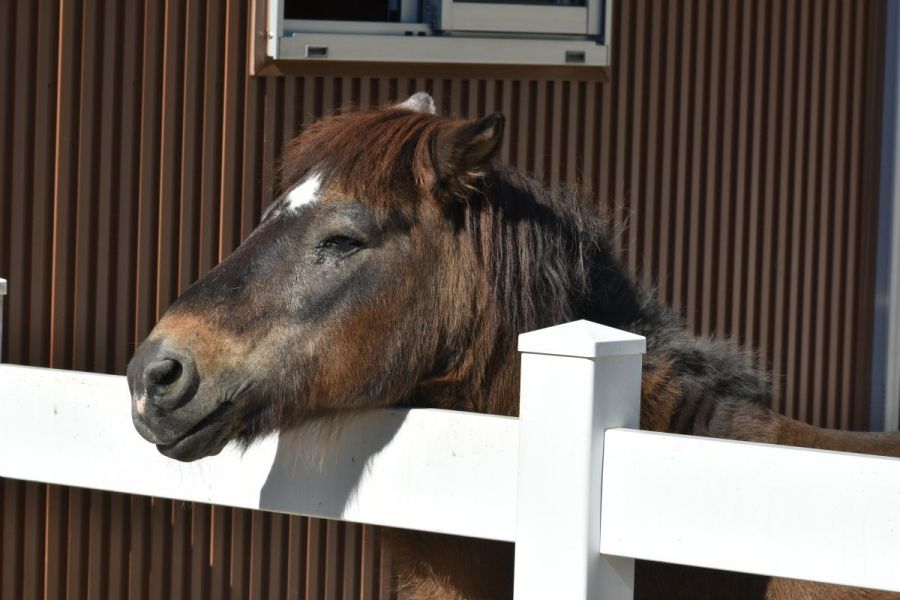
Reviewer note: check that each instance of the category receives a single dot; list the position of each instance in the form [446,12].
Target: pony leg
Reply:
[431,566]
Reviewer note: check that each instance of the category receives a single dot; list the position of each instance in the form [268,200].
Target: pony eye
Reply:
[340,243]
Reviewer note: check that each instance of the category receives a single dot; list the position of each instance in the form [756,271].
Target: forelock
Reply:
[378,157]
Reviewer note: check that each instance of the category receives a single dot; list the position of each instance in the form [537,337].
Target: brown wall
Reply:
[735,142]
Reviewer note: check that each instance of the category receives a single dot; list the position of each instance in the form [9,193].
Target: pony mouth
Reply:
[206,438]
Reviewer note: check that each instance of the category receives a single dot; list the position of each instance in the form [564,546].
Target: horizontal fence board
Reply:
[74,428]
[757,508]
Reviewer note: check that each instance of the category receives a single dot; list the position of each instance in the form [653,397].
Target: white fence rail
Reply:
[579,494]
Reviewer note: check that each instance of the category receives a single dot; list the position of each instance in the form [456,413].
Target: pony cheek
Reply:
[358,365]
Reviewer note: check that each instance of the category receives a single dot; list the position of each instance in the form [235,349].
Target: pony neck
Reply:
[546,260]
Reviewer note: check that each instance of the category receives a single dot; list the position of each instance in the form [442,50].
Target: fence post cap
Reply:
[2,287]
[582,339]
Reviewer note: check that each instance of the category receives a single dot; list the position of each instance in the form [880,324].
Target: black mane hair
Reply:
[552,260]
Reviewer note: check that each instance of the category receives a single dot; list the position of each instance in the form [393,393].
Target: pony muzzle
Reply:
[164,381]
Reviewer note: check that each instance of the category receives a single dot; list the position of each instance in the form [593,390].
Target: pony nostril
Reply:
[164,373]
[162,377]
[169,382]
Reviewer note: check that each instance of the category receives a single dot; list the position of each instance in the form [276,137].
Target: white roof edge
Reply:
[582,339]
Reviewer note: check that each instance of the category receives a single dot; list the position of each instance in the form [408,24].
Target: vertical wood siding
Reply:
[734,144]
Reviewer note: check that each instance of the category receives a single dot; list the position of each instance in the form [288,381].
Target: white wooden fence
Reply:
[579,490]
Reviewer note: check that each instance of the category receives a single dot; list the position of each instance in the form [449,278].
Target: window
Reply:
[524,32]
[549,17]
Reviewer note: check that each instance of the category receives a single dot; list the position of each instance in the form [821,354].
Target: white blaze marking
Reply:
[141,405]
[305,193]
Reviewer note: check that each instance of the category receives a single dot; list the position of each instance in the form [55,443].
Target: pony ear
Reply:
[467,147]
[419,102]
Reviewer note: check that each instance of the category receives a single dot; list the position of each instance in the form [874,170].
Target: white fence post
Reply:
[578,379]
[2,293]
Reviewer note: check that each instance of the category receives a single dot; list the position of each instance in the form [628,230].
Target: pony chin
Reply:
[207,438]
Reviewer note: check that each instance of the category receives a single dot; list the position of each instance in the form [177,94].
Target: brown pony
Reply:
[398,269]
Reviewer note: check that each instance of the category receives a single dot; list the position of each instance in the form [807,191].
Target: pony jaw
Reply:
[206,438]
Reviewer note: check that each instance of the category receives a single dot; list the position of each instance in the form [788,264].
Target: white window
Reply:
[523,32]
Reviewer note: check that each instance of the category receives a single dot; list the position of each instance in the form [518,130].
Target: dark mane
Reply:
[550,259]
